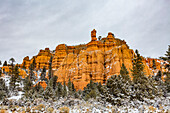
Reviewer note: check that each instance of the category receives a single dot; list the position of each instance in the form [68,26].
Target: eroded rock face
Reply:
[97,60]
[41,60]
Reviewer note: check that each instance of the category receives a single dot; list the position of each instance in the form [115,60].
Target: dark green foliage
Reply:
[38,88]
[142,86]
[119,86]
[138,66]
[158,76]
[48,93]
[27,84]
[0,72]
[59,91]
[50,68]
[90,91]
[31,72]
[53,82]
[123,70]
[5,63]
[73,89]
[34,63]
[167,74]
[69,85]
[154,64]
[12,60]
[3,89]
[43,74]
[24,65]
[64,90]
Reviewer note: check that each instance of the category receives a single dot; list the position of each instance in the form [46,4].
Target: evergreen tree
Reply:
[24,65]
[73,89]
[14,79]
[34,63]
[59,91]
[3,89]
[64,90]
[50,68]
[53,82]
[5,63]
[90,91]
[31,73]
[38,88]
[48,93]
[12,60]
[70,87]
[27,84]
[142,86]
[167,78]
[124,72]
[43,74]
[0,72]
[153,64]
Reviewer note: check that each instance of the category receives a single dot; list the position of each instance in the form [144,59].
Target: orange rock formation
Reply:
[96,60]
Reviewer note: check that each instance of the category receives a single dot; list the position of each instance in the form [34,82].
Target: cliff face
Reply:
[41,60]
[97,60]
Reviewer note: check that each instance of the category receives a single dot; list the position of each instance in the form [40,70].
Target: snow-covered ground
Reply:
[19,96]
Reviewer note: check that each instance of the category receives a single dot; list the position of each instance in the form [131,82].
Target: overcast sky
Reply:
[26,26]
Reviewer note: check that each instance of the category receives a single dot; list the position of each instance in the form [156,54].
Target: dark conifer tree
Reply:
[167,78]
[142,86]
[43,74]
[50,68]
[31,73]
[59,90]
[153,64]
[5,63]
[3,89]
[12,60]
[24,65]
[27,84]
[64,90]
[69,85]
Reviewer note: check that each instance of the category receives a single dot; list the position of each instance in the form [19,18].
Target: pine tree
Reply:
[12,60]
[142,86]
[24,65]
[43,74]
[14,79]
[0,72]
[59,90]
[48,93]
[124,72]
[64,90]
[167,78]
[34,63]
[53,82]
[5,63]
[31,73]
[27,84]
[73,89]
[70,87]
[153,64]
[3,89]
[90,91]
[50,68]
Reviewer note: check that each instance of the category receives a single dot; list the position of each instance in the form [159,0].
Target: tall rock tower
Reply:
[93,35]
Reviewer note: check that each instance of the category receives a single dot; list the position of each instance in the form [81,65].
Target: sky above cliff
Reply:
[26,26]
